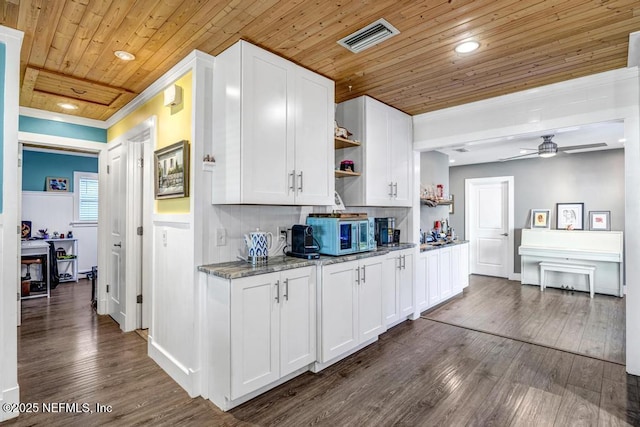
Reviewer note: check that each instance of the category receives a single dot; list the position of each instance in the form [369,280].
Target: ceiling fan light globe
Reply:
[547,155]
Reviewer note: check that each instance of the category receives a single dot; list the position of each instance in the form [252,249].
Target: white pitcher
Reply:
[259,243]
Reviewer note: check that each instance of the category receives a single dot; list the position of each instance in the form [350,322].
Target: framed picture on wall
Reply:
[570,216]
[57,184]
[600,220]
[172,171]
[541,218]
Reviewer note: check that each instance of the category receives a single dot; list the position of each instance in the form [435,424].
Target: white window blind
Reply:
[88,199]
[85,194]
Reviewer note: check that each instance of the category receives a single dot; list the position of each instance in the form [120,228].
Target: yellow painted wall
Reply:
[174,124]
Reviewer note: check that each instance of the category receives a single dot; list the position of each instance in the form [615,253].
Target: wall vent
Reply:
[369,36]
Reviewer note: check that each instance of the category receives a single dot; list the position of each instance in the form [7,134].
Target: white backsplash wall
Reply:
[238,220]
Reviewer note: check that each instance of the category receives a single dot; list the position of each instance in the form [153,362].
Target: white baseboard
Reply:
[515,276]
[185,377]
[11,396]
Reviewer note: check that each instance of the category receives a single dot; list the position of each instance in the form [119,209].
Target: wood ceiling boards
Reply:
[68,45]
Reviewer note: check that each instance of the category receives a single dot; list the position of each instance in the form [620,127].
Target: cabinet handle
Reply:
[363,274]
[300,183]
[292,178]
[395,189]
[399,262]
[404,262]
[278,291]
[286,289]
[358,279]
[119,245]
[391,189]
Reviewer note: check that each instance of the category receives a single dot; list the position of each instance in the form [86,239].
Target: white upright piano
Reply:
[601,249]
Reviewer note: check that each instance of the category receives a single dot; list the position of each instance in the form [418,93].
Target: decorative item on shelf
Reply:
[570,216]
[172,171]
[347,165]
[62,235]
[43,233]
[341,132]
[56,235]
[69,235]
[541,219]
[440,191]
[600,220]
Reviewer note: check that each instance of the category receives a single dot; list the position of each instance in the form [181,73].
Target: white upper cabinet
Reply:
[385,158]
[272,130]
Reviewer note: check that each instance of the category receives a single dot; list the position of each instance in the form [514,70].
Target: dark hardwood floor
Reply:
[570,321]
[421,373]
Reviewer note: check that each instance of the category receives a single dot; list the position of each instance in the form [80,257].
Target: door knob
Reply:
[118,244]
[505,234]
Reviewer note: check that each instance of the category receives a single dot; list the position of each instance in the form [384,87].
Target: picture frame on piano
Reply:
[540,219]
[600,220]
[570,216]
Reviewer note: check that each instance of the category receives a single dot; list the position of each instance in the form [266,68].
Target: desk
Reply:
[38,248]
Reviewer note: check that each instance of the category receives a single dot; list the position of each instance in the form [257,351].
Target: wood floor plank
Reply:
[619,405]
[586,373]
[579,407]
[537,408]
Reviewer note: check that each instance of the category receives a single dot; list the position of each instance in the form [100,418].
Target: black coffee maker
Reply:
[303,245]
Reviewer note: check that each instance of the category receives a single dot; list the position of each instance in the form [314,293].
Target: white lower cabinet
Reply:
[398,289]
[351,305]
[441,274]
[263,329]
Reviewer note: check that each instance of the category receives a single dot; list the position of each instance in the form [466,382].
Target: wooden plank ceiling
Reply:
[67,54]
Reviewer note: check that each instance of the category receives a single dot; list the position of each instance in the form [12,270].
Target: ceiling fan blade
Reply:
[517,157]
[582,147]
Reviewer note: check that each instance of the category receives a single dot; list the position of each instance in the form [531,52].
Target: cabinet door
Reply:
[339,324]
[464,264]
[405,285]
[255,331]
[446,283]
[267,133]
[432,274]
[390,291]
[370,299]
[421,288]
[400,157]
[378,182]
[297,319]
[314,156]
[456,279]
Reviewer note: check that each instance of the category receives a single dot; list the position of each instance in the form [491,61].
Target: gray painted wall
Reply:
[434,169]
[595,178]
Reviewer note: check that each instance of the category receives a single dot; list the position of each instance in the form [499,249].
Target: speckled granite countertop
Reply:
[429,247]
[239,269]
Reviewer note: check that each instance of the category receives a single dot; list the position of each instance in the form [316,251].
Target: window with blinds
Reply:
[86,195]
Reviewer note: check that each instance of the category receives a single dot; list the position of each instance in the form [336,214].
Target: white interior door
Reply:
[19,198]
[489,225]
[116,271]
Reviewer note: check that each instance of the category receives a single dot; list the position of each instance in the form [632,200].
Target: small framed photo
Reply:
[570,216]
[541,218]
[600,220]
[172,171]
[57,184]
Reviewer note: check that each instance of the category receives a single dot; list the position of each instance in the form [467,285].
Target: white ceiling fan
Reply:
[548,148]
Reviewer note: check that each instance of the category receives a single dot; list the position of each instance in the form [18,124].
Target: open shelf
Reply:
[345,143]
[344,174]
[438,202]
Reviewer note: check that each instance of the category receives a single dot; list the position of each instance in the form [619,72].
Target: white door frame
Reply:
[468,208]
[138,274]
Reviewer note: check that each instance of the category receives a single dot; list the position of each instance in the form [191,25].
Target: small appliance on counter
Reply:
[386,232]
[303,244]
[258,244]
[343,233]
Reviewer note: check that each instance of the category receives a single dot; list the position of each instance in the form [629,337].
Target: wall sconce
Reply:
[172,96]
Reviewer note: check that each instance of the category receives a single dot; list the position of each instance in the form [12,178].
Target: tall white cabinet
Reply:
[273,130]
[385,158]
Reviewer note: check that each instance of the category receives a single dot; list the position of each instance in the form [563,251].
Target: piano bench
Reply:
[589,270]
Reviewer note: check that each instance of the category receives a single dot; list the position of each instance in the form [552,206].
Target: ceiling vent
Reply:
[369,36]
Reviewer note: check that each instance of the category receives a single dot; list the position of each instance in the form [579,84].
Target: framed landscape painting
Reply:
[172,171]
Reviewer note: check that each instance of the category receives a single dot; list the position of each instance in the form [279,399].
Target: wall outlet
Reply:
[221,237]
[282,229]
[164,237]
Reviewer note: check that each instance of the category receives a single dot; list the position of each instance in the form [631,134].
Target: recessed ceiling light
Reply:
[67,106]
[467,47]
[124,55]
